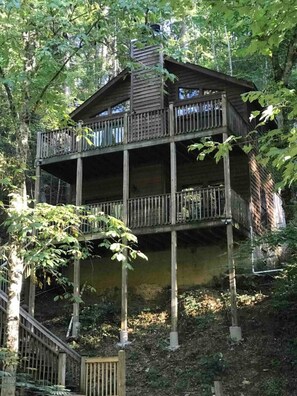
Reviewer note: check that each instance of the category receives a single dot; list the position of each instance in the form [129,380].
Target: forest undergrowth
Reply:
[262,364]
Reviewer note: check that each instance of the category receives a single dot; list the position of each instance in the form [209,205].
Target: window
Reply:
[188,93]
[210,91]
[121,107]
[102,113]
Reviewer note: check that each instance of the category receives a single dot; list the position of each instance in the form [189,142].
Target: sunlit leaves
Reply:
[208,146]
[278,146]
[49,237]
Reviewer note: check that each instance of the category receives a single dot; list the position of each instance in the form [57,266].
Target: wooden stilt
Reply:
[32,291]
[229,230]
[76,265]
[122,374]
[124,308]
[174,288]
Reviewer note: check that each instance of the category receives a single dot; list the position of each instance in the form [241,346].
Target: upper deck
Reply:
[205,116]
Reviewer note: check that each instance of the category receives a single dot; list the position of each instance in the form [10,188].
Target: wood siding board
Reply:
[260,179]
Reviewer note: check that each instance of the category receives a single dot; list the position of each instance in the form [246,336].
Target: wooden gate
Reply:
[103,376]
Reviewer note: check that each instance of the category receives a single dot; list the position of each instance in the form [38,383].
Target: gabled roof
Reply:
[212,73]
[123,75]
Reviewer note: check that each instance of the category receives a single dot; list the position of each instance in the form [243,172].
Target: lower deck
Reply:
[195,208]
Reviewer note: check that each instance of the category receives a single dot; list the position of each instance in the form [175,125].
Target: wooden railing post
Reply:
[224,110]
[126,129]
[38,146]
[171,119]
[82,382]
[62,369]
[122,374]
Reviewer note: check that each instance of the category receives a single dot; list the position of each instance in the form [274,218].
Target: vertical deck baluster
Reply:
[211,107]
[98,379]
[110,378]
[102,379]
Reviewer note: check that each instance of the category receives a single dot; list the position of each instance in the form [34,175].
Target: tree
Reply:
[270,29]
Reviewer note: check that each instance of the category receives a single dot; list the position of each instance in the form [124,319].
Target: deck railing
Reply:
[111,208]
[147,125]
[198,116]
[103,376]
[191,206]
[149,211]
[200,204]
[110,131]
[106,132]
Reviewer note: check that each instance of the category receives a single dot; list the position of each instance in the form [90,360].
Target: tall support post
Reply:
[174,289]
[235,330]
[124,308]
[32,291]
[76,264]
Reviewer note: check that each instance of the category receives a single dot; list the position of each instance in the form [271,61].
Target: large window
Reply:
[192,93]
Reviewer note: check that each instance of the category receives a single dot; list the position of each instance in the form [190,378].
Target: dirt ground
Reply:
[262,364]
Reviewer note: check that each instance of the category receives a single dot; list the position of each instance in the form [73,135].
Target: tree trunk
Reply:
[15,273]
[15,279]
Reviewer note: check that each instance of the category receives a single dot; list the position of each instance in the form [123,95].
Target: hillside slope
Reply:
[263,364]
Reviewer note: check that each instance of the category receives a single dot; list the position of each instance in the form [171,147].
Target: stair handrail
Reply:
[63,347]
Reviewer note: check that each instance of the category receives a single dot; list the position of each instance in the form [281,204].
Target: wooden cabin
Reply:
[133,163]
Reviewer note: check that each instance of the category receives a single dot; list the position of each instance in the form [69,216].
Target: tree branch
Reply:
[291,58]
[10,100]
[59,71]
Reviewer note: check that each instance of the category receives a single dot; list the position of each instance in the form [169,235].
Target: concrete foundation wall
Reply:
[195,266]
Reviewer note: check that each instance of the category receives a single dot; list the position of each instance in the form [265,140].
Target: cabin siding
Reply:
[147,180]
[118,94]
[262,197]
[103,189]
[187,78]
[154,179]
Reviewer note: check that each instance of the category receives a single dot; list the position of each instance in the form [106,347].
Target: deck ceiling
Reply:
[186,239]
[108,164]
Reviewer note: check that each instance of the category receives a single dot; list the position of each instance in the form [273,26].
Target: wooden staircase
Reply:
[50,361]
[42,354]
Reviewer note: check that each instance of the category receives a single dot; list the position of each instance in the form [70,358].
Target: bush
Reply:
[95,315]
